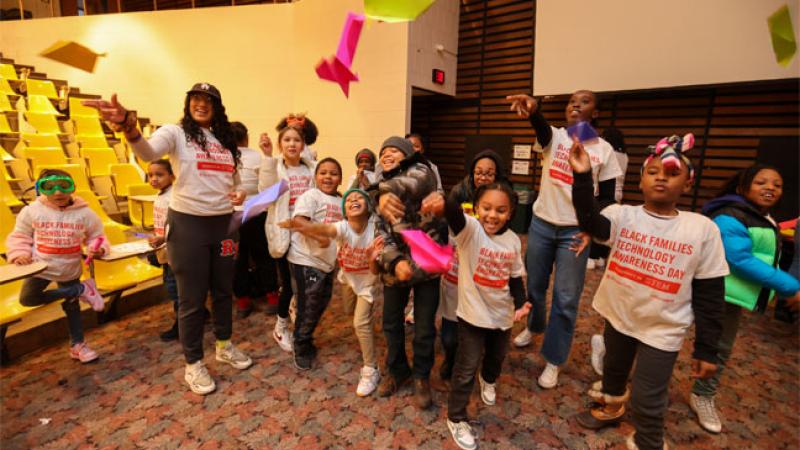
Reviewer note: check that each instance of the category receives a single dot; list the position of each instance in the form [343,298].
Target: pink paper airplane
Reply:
[429,255]
[337,68]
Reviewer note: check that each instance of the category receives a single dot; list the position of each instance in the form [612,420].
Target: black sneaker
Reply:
[303,362]
[171,334]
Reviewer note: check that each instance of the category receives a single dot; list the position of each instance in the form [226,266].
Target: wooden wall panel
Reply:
[496,59]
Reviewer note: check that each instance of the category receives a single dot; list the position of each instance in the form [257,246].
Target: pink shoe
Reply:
[82,352]
[91,296]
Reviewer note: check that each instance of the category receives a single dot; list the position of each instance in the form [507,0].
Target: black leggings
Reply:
[256,280]
[202,255]
[285,275]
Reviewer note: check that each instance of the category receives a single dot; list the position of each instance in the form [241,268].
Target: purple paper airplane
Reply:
[337,68]
[583,130]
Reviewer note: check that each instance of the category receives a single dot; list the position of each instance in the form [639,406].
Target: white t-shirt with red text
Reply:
[300,179]
[318,207]
[160,208]
[353,257]
[448,289]
[485,264]
[204,178]
[646,290]
[554,203]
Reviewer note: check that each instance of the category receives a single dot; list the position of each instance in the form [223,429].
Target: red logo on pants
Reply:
[228,248]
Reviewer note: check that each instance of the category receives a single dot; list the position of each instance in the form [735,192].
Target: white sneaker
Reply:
[600,263]
[590,264]
[523,339]
[549,377]
[488,391]
[198,379]
[282,336]
[233,356]
[370,377]
[462,434]
[706,412]
[598,353]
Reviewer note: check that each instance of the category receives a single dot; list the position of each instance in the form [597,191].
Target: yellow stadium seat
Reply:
[7,195]
[5,174]
[5,103]
[8,72]
[43,123]
[5,127]
[98,160]
[7,221]
[140,213]
[40,104]
[6,88]
[123,273]
[110,225]
[41,87]
[76,171]
[11,310]
[41,140]
[124,175]
[88,126]
[92,141]
[38,157]
[76,109]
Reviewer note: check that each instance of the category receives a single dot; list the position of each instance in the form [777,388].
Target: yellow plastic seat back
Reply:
[11,309]
[6,88]
[7,221]
[123,273]
[76,109]
[8,72]
[98,160]
[140,213]
[5,103]
[124,175]
[43,123]
[41,87]
[92,141]
[42,140]
[110,225]
[88,126]
[38,157]
[5,127]
[7,195]
[40,104]
[74,170]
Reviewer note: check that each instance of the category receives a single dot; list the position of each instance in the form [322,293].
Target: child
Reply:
[752,249]
[665,271]
[419,147]
[310,132]
[554,227]
[365,174]
[313,262]
[161,177]
[486,168]
[299,173]
[406,176]
[491,296]
[52,229]
[357,248]
[259,280]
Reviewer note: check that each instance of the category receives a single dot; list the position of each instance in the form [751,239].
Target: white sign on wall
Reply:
[522,151]
[520,167]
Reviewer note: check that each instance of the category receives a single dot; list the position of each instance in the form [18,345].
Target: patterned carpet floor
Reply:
[135,396]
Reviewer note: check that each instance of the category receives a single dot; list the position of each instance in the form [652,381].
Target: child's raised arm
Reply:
[320,232]
[586,207]
[527,106]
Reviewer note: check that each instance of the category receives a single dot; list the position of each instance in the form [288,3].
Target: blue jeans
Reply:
[549,244]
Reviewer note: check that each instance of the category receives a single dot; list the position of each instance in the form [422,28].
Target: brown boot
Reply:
[422,393]
[389,385]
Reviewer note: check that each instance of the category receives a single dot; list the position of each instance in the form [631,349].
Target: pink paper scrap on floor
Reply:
[428,254]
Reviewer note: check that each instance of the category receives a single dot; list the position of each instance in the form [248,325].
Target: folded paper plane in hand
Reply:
[583,131]
[337,68]
[782,34]
[72,54]
[396,10]
[258,204]
[429,255]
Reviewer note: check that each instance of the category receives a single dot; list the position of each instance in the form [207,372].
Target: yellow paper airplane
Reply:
[395,10]
[782,34]
[73,54]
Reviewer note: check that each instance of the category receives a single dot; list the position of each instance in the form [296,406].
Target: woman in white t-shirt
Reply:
[204,157]
[554,228]
[491,295]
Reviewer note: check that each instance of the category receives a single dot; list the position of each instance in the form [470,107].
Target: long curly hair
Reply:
[220,127]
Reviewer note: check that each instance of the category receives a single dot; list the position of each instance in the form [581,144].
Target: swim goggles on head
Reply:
[50,184]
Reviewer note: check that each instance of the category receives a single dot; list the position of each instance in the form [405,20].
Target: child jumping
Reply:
[52,229]
[664,272]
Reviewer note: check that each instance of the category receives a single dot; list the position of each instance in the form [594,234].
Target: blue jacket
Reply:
[752,249]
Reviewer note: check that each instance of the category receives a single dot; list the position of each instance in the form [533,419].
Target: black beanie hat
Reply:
[404,145]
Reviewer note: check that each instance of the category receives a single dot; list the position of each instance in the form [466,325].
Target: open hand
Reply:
[265,144]
[703,369]
[23,260]
[375,248]
[522,312]
[524,105]
[391,208]
[403,270]
[110,111]
[578,158]
[433,204]
[580,242]
[237,197]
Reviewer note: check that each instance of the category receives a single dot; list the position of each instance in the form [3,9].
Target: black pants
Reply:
[474,343]
[33,293]
[202,256]
[255,269]
[314,289]
[285,274]
[449,338]
[598,251]
[649,396]
[426,301]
